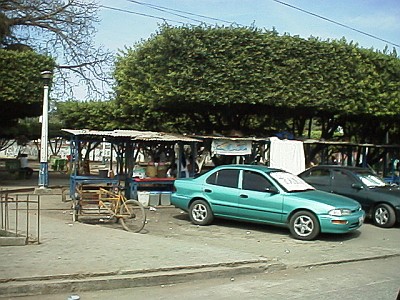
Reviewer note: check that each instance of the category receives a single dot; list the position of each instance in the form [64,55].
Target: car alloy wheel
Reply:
[384,216]
[200,213]
[304,226]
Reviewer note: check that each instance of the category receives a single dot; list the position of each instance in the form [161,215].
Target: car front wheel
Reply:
[200,213]
[384,216]
[304,226]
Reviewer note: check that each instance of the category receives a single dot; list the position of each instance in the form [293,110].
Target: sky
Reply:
[139,21]
[124,23]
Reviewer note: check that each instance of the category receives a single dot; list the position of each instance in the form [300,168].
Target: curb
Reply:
[128,279]
[8,238]
[80,282]
[346,261]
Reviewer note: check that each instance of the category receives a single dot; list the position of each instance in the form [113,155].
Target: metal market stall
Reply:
[126,146]
[383,159]
[270,151]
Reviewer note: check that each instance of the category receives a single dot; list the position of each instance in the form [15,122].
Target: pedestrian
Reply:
[24,165]
[184,163]
[172,171]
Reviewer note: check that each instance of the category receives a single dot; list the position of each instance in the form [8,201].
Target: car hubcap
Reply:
[303,225]
[199,212]
[381,216]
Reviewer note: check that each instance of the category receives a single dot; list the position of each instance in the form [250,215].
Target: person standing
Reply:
[25,169]
[184,163]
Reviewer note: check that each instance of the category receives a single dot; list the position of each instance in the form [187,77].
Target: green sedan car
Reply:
[264,195]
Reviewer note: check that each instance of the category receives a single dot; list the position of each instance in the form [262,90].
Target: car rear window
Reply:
[227,178]
[317,176]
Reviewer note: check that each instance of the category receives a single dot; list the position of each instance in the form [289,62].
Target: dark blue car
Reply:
[380,201]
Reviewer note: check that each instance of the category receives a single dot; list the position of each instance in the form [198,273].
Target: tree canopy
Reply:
[95,115]
[206,79]
[39,35]
[60,29]
[21,87]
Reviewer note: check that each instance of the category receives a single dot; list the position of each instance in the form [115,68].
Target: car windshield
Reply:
[371,180]
[290,182]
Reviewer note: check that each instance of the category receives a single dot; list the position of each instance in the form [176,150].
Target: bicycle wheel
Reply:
[132,216]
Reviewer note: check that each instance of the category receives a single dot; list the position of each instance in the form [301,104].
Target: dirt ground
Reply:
[172,223]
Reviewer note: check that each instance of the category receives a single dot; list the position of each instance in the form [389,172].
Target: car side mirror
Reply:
[271,190]
[357,186]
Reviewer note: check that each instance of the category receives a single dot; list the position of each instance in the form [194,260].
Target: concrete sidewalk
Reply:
[74,257]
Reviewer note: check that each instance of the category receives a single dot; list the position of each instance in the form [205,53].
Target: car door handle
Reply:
[207,191]
[244,196]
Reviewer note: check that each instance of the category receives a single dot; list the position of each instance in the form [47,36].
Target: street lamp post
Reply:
[44,167]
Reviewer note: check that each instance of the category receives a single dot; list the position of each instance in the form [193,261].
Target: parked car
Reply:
[380,200]
[264,195]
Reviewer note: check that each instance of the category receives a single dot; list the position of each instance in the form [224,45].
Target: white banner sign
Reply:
[229,147]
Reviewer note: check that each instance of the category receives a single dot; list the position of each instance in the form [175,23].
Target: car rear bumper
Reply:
[397,209]
[333,224]
[180,201]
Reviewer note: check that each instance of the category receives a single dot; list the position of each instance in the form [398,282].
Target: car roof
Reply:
[248,167]
[350,168]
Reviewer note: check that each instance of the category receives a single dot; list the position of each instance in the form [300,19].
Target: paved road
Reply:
[375,279]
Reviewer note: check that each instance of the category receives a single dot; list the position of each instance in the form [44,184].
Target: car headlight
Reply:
[339,212]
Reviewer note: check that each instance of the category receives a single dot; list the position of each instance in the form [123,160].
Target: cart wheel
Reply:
[133,216]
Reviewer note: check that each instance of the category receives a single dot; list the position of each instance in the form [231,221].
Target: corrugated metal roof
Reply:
[218,137]
[87,132]
[335,143]
[133,135]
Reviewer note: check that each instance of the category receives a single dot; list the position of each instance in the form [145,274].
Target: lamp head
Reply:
[46,75]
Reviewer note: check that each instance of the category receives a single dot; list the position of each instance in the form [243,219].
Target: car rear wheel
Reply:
[384,216]
[304,226]
[200,213]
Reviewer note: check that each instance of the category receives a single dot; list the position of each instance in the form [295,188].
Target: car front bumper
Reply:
[343,224]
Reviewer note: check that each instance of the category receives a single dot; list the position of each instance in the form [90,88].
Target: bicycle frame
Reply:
[107,202]
[116,200]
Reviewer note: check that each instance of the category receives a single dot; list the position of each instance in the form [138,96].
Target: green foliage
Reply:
[208,79]
[93,115]
[65,30]
[21,86]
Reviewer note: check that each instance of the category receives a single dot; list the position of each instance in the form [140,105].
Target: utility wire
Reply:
[163,8]
[152,16]
[337,23]
[170,10]
[140,14]
[160,8]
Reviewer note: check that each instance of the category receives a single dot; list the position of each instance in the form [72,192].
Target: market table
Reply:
[151,182]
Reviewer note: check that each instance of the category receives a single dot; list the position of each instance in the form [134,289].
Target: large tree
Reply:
[63,29]
[206,79]
[95,115]
[21,88]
